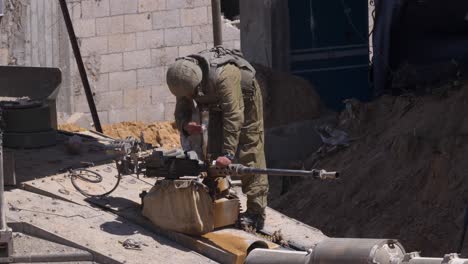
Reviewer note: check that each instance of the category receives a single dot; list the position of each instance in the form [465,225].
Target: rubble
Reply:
[403,174]
[163,134]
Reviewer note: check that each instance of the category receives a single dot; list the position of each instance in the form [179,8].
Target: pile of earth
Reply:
[404,174]
[286,98]
[162,134]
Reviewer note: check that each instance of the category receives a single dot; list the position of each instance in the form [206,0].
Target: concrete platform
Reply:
[91,229]
[125,202]
[26,246]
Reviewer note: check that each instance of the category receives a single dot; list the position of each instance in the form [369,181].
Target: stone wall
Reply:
[126,45]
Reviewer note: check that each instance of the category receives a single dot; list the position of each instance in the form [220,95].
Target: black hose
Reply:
[77,173]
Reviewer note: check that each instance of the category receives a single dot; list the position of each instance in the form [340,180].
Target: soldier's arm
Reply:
[232,105]
[183,113]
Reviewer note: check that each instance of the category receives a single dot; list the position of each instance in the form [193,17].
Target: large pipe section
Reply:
[349,251]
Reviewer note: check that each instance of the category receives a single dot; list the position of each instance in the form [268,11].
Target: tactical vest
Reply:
[210,61]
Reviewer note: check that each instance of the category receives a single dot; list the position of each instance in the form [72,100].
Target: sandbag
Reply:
[183,206]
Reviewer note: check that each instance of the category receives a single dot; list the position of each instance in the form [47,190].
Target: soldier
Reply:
[223,83]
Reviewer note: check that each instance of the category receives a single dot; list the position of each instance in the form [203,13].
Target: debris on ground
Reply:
[159,134]
[404,176]
[132,244]
[71,128]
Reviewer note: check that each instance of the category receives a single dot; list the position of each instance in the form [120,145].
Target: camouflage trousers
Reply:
[251,153]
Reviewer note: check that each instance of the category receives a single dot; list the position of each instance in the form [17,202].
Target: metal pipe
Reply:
[262,256]
[239,170]
[81,67]
[217,22]
[50,257]
[3,225]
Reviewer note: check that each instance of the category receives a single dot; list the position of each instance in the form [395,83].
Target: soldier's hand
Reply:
[193,128]
[223,162]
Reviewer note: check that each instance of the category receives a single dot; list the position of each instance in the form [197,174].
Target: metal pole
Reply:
[3,225]
[217,22]
[81,67]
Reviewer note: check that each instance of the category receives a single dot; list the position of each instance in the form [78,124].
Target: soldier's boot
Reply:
[252,221]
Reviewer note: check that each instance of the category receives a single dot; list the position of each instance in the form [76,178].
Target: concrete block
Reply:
[166,19]
[230,32]
[150,39]
[162,94]
[164,56]
[177,4]
[151,5]
[85,28]
[75,10]
[151,76]
[137,22]
[210,16]
[169,109]
[80,104]
[137,98]
[193,16]
[110,25]
[111,62]
[102,83]
[109,100]
[237,44]
[119,7]
[93,8]
[125,80]
[178,36]
[96,45]
[4,56]
[103,117]
[151,113]
[122,115]
[201,34]
[122,42]
[191,49]
[137,59]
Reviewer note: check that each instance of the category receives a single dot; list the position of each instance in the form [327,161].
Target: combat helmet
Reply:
[183,77]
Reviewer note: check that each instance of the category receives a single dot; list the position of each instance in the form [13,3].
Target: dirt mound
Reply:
[403,176]
[286,98]
[162,134]
[71,128]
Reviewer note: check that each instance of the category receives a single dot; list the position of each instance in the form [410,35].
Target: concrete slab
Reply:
[125,202]
[27,247]
[94,230]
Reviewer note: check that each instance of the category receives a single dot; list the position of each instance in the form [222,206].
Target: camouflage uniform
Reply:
[242,128]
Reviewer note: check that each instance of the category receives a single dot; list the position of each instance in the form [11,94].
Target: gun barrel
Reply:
[239,170]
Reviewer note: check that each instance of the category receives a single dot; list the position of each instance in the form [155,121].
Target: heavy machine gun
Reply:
[159,164]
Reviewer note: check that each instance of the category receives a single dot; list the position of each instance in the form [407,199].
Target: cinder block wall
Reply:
[126,45]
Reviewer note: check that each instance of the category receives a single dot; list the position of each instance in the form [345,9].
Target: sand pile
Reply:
[404,175]
[286,98]
[162,134]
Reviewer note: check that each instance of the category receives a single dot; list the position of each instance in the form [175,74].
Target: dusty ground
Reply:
[404,176]
[163,134]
